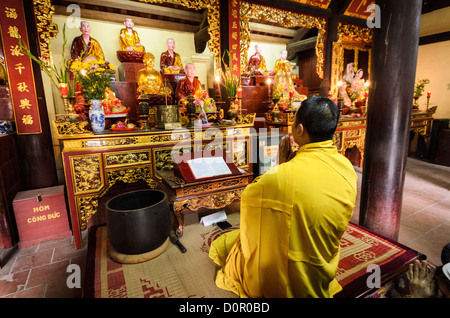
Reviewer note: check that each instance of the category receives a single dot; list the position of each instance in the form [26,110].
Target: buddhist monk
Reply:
[189,84]
[170,61]
[149,80]
[84,47]
[129,38]
[292,217]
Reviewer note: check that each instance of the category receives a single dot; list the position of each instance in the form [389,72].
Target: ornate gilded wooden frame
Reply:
[286,19]
[47,29]
[350,37]
[213,11]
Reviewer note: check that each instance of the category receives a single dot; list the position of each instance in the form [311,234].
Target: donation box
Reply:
[41,215]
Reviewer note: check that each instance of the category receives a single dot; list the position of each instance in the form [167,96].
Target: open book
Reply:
[207,167]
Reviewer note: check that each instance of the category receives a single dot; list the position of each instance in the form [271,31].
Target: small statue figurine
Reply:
[257,63]
[86,46]
[170,62]
[129,38]
[111,104]
[149,80]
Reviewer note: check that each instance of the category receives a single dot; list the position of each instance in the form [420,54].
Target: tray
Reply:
[122,129]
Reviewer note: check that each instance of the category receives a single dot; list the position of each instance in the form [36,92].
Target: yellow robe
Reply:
[292,220]
[130,40]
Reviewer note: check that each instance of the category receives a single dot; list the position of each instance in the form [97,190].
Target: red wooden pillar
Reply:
[394,60]
[36,150]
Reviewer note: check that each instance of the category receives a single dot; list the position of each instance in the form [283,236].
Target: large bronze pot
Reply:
[138,221]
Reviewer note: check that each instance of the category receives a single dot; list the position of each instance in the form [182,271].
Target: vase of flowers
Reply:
[232,81]
[418,91]
[95,77]
[58,76]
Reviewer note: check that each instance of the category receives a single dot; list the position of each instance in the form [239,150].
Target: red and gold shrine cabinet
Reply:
[41,215]
[94,163]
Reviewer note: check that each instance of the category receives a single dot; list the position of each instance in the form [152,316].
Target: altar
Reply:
[94,163]
[351,131]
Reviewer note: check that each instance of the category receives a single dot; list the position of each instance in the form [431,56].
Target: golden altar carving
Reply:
[94,163]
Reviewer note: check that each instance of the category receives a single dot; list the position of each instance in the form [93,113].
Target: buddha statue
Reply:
[84,47]
[149,80]
[170,61]
[189,85]
[129,38]
[281,61]
[257,63]
[284,86]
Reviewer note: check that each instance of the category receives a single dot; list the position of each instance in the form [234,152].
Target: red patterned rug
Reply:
[178,275]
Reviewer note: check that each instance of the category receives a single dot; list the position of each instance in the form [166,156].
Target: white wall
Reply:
[433,62]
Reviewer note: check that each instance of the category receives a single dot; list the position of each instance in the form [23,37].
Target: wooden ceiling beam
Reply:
[146,8]
[87,14]
[271,29]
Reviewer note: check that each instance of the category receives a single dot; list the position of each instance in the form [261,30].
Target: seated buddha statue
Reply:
[129,38]
[189,85]
[281,61]
[84,47]
[283,85]
[149,80]
[257,63]
[170,61]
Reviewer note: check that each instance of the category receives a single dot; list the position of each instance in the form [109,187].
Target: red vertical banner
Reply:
[19,67]
[234,35]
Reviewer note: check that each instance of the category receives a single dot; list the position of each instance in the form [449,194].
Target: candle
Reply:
[63,88]
[239,92]
[429,94]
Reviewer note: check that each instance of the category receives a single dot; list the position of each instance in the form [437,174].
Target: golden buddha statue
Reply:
[279,64]
[149,80]
[129,38]
[284,86]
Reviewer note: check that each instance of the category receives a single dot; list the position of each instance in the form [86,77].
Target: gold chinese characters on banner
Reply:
[234,35]
[20,72]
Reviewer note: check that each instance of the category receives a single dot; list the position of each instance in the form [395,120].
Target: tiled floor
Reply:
[425,219]
[40,270]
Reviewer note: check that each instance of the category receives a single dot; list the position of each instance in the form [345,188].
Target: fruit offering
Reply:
[123,125]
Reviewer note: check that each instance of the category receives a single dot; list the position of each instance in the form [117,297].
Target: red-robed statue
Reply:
[189,84]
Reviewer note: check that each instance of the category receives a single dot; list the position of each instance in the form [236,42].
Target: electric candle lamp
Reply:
[64,89]
[428,94]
